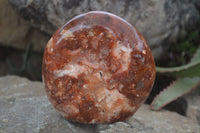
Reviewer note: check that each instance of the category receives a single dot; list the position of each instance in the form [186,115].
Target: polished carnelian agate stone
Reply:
[97,68]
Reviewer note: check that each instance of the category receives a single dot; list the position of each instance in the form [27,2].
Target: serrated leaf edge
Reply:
[171,84]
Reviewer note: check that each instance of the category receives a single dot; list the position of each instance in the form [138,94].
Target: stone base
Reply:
[24,107]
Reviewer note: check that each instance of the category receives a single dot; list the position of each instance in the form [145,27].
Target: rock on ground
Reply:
[16,32]
[161,22]
[193,103]
[24,107]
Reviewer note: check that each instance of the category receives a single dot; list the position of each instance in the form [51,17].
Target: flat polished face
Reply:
[97,68]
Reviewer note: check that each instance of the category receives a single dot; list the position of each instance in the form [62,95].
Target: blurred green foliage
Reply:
[182,52]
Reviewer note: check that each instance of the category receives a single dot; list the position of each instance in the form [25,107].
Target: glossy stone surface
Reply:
[97,68]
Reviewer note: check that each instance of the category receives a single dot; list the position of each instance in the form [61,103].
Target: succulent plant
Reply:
[188,77]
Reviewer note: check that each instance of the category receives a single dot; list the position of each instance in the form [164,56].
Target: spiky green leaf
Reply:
[189,70]
[178,88]
[196,56]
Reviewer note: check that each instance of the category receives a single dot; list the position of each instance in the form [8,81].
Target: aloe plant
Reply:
[188,77]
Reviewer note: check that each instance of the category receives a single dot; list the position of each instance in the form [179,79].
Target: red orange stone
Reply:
[97,68]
